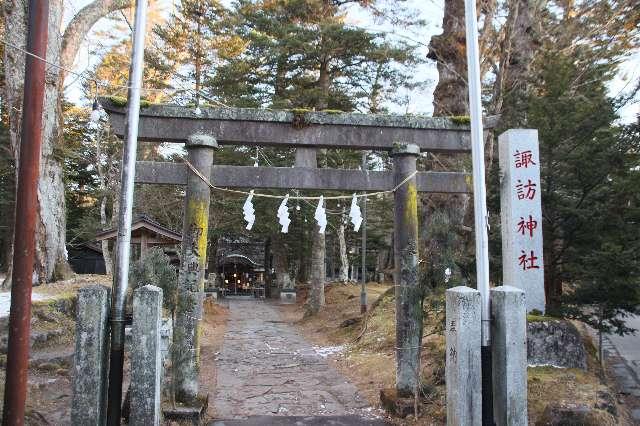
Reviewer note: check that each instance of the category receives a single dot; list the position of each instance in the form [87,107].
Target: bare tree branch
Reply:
[82,23]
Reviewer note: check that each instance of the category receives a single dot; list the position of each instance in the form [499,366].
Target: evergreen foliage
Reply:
[156,269]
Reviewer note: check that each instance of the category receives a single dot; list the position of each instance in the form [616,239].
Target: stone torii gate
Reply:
[403,136]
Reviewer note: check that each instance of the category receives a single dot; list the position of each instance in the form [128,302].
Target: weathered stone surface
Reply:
[301,421]
[184,415]
[408,293]
[521,215]
[578,415]
[166,335]
[556,343]
[88,405]
[266,367]
[463,359]
[186,348]
[288,116]
[167,173]
[509,356]
[146,356]
[296,129]
[287,296]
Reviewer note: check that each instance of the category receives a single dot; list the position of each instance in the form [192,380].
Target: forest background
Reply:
[566,68]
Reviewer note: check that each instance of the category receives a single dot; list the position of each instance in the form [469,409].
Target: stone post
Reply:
[463,359]
[509,356]
[186,349]
[521,215]
[408,294]
[91,357]
[146,356]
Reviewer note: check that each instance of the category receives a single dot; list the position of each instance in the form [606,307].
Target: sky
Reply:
[419,102]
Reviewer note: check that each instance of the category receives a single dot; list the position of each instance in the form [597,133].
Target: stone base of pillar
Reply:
[193,414]
[212,293]
[396,405]
[287,296]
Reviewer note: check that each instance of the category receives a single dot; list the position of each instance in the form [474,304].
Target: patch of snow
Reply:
[5,302]
[545,365]
[328,350]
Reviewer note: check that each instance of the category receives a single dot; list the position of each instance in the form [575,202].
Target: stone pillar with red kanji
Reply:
[521,215]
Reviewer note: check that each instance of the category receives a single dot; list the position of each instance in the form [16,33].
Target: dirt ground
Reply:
[49,383]
[49,379]
[213,328]
[368,358]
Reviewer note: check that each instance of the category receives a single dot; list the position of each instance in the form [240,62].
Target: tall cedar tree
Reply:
[580,46]
[301,54]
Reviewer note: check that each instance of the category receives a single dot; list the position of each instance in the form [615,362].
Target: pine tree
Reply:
[604,263]
[301,54]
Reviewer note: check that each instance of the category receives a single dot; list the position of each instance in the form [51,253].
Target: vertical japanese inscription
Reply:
[521,215]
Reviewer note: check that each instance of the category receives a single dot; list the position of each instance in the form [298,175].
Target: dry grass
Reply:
[369,358]
[71,286]
[369,361]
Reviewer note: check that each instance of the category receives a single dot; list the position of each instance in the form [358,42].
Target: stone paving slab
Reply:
[625,375]
[266,368]
[301,421]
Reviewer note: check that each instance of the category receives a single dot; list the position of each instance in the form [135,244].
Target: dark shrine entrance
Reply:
[240,266]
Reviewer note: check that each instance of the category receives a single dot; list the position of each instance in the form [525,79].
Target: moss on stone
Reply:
[541,318]
[118,101]
[460,119]
[122,102]
[332,111]
[300,110]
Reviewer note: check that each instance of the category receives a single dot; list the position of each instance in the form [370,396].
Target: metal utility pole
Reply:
[479,203]
[24,240]
[363,289]
[121,276]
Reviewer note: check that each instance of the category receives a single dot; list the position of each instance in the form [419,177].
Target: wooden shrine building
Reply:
[146,233]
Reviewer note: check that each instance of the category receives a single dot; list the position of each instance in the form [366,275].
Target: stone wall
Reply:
[555,343]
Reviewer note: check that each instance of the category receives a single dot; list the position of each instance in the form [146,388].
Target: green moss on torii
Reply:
[122,102]
[460,119]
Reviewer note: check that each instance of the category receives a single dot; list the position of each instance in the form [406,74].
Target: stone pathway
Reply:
[266,368]
[623,356]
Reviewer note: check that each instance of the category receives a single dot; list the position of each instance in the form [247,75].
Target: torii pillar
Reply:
[408,294]
[186,345]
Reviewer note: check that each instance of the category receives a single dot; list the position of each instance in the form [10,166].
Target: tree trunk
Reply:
[51,254]
[449,51]
[443,215]
[316,295]
[281,264]
[307,157]
[512,80]
[342,244]
[106,254]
